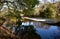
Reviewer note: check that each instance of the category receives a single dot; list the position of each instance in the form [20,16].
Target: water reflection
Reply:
[51,33]
[46,32]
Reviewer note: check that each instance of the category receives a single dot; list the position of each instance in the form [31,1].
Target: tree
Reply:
[28,12]
[58,10]
[16,7]
[47,13]
[28,3]
[28,6]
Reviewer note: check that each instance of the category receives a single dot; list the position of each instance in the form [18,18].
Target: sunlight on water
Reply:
[53,32]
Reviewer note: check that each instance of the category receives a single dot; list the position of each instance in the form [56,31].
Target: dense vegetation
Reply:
[13,12]
[12,15]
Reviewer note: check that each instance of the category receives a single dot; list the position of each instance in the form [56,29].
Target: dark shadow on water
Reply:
[49,31]
[29,33]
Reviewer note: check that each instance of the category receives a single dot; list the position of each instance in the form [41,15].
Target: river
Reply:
[50,32]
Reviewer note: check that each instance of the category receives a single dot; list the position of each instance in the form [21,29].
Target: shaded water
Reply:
[50,32]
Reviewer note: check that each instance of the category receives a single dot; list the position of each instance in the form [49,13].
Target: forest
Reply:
[12,13]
